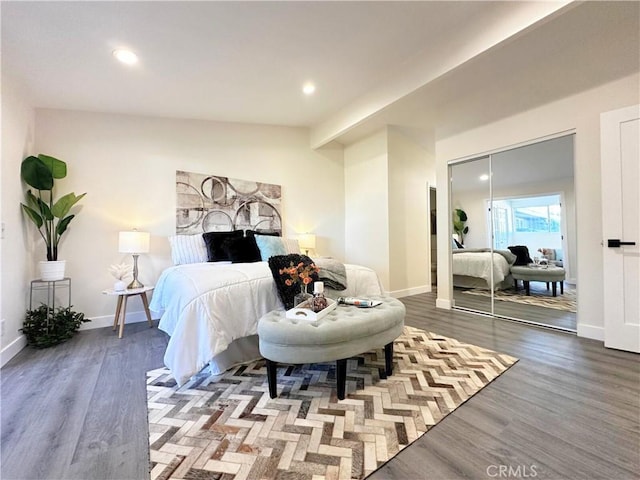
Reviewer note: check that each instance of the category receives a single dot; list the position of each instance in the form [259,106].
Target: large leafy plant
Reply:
[51,217]
[459,223]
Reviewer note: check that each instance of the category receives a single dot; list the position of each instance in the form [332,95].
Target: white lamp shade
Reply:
[133,242]
[307,241]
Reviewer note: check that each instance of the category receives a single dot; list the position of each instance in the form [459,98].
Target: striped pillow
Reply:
[187,249]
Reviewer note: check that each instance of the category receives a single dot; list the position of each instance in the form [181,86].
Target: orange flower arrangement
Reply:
[299,273]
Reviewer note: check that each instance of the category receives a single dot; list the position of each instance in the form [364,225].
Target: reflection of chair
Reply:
[553,255]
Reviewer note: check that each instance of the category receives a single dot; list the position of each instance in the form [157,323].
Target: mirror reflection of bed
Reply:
[523,197]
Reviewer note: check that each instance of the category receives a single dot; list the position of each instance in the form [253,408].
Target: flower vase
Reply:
[302,296]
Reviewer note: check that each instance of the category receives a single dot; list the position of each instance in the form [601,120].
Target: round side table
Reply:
[121,307]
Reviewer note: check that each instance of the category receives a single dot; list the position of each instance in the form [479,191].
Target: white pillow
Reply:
[291,245]
[188,249]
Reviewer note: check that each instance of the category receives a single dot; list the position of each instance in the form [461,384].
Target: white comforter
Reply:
[478,264]
[206,306]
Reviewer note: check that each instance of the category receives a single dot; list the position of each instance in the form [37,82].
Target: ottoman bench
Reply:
[341,334]
[537,274]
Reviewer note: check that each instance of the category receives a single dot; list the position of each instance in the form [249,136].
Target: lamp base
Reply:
[134,284]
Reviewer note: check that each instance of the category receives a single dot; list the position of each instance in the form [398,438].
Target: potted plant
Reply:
[51,217]
[459,221]
[45,327]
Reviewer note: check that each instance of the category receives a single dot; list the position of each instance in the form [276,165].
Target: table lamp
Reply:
[135,243]
[307,242]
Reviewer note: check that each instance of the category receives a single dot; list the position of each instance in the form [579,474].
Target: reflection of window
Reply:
[537,219]
[500,227]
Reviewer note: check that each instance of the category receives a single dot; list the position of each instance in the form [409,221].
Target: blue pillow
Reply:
[270,246]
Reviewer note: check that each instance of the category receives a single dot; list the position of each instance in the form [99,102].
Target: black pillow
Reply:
[251,233]
[288,292]
[522,254]
[214,241]
[242,249]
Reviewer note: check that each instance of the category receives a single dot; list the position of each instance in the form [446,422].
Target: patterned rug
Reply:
[539,296]
[226,426]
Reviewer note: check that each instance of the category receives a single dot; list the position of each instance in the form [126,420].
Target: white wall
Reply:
[127,166]
[386,210]
[582,113]
[366,210]
[411,170]
[17,142]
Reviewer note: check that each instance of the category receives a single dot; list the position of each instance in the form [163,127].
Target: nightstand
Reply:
[121,307]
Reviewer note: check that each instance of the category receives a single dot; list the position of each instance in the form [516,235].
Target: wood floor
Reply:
[569,409]
[530,313]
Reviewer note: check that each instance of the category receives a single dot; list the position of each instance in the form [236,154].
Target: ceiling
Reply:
[247,61]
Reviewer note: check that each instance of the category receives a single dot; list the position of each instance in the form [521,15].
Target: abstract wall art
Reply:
[209,203]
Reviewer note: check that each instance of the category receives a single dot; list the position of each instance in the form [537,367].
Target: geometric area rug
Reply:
[226,426]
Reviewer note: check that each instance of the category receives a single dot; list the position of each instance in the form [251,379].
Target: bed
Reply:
[472,268]
[211,310]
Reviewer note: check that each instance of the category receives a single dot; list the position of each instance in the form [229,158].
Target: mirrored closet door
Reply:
[513,224]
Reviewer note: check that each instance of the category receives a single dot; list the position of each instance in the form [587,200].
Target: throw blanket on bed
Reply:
[288,292]
[332,272]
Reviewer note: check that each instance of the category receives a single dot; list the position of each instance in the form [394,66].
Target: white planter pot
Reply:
[120,286]
[50,271]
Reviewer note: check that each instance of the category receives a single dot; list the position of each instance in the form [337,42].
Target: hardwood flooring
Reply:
[569,409]
[530,313]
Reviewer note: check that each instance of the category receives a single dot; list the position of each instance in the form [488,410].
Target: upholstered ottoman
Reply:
[343,333]
[538,274]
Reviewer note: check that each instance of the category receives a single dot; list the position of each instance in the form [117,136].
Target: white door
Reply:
[620,157]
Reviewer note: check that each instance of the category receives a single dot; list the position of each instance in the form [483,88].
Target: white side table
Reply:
[121,307]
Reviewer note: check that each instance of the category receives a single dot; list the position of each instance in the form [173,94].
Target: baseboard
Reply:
[12,349]
[410,291]
[107,320]
[591,331]
[443,303]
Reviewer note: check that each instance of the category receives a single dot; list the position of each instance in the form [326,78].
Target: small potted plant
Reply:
[45,327]
[51,217]
[459,224]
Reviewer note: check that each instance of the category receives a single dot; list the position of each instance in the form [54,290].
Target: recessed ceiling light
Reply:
[484,177]
[308,88]
[125,56]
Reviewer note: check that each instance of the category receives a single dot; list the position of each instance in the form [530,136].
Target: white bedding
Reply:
[478,264]
[206,306]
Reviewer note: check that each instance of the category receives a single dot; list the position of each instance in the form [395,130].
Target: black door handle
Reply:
[615,243]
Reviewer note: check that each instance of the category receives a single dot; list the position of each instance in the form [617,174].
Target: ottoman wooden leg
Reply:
[388,358]
[526,287]
[554,286]
[562,287]
[272,370]
[341,377]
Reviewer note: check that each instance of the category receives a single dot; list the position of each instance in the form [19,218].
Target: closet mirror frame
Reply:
[567,321]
